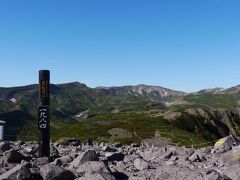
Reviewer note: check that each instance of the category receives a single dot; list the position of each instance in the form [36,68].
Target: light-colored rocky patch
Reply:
[170,115]
[119,132]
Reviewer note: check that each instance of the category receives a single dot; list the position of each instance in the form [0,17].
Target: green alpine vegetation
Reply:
[143,114]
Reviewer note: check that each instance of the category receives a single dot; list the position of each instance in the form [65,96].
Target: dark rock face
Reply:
[57,162]
[109,149]
[12,156]
[115,156]
[4,146]
[114,162]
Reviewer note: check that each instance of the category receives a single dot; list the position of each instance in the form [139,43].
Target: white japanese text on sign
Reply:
[43,117]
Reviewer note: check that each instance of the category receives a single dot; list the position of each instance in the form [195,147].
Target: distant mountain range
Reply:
[152,92]
[74,103]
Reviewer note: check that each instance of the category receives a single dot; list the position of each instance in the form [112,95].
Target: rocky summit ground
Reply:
[72,159]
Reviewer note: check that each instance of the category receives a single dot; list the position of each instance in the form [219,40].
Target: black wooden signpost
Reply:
[44,113]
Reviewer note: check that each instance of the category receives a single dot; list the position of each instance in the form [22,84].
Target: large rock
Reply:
[31,149]
[19,143]
[167,155]
[14,156]
[231,157]
[89,155]
[95,170]
[140,164]
[54,152]
[19,172]
[34,150]
[4,146]
[66,159]
[225,144]
[52,172]
[197,157]
[115,156]
[109,149]
[57,162]
[153,153]
[233,172]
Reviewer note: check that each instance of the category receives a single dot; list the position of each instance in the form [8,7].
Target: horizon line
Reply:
[110,86]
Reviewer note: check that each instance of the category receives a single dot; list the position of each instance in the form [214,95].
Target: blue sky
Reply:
[185,45]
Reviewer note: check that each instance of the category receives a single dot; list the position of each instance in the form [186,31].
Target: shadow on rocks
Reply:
[120,176]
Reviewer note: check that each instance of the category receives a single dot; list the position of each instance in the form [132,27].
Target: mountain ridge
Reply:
[74,106]
[77,83]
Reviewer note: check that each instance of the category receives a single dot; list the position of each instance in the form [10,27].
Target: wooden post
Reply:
[44,113]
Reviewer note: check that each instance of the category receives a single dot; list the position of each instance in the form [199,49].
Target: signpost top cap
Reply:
[44,71]
[44,74]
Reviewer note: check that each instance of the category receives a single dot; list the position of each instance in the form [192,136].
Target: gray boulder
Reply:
[167,155]
[66,159]
[13,156]
[4,146]
[114,156]
[232,172]
[52,172]
[89,155]
[20,172]
[194,158]
[140,164]
[41,161]
[197,157]
[95,170]
[173,158]
[231,157]
[31,149]
[109,149]
[2,171]
[153,153]
[54,152]
[57,162]
[225,144]
[19,143]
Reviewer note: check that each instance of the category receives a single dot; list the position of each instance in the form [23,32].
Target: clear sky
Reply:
[184,45]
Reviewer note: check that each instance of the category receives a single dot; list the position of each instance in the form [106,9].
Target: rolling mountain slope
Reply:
[70,100]
[75,106]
